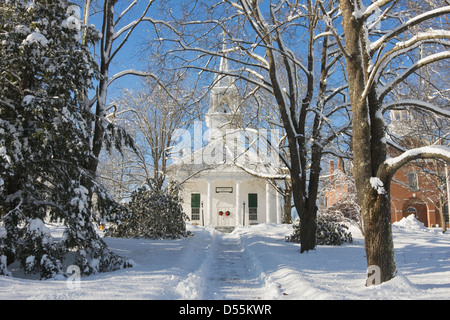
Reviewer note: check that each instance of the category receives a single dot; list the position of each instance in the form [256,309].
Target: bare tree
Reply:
[338,187]
[154,118]
[116,30]
[368,56]
[268,53]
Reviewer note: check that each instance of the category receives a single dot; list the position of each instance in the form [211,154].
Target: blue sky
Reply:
[130,55]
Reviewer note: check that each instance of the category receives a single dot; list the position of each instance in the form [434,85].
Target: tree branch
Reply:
[419,64]
[429,152]
[407,25]
[401,104]
[403,48]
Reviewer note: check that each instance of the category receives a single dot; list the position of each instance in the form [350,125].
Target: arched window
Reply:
[225,108]
[412,210]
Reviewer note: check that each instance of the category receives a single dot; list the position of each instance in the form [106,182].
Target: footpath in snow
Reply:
[254,263]
[230,272]
[231,275]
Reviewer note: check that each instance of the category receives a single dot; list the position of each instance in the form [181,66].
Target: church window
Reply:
[412,210]
[225,108]
[253,206]
[195,206]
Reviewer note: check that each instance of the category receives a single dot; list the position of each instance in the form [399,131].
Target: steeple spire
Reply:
[221,79]
[223,110]
[224,59]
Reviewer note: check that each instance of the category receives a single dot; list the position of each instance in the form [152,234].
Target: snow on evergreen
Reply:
[152,213]
[44,142]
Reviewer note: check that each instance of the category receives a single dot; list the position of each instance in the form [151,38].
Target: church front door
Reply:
[226,217]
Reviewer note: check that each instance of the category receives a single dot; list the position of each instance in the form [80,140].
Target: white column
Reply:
[238,204]
[268,219]
[209,204]
[278,195]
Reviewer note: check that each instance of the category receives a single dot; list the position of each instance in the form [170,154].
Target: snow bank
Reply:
[269,266]
[410,223]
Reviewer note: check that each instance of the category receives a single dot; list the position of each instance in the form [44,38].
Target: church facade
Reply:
[233,179]
[230,198]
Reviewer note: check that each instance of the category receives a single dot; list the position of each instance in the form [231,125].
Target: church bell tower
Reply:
[223,113]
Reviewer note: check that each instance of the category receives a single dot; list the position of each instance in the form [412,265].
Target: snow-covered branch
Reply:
[131,72]
[404,103]
[328,20]
[429,152]
[129,28]
[257,173]
[383,91]
[407,25]
[401,48]
[124,12]
[374,7]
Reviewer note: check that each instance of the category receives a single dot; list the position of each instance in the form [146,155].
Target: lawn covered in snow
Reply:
[255,263]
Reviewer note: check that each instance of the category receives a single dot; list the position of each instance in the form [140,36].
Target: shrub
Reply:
[154,214]
[330,231]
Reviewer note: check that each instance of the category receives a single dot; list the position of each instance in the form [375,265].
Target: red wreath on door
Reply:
[227,213]
[220,213]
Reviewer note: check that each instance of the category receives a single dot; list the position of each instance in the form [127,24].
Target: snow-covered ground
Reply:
[255,263]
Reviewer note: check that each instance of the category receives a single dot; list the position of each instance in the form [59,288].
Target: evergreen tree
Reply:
[45,130]
[154,214]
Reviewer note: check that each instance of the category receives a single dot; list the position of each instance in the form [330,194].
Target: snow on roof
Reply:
[231,155]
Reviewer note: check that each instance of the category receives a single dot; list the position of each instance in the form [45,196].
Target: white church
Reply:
[233,179]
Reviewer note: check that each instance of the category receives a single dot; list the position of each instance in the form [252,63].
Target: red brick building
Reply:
[417,188]
[413,191]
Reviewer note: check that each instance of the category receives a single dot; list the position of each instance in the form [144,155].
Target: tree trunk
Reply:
[308,226]
[308,218]
[367,145]
[447,178]
[287,209]
[308,230]
[379,243]
[442,216]
[105,59]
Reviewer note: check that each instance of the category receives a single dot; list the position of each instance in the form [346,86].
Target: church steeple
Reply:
[223,110]
[220,78]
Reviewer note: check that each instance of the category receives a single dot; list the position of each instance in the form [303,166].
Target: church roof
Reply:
[224,157]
